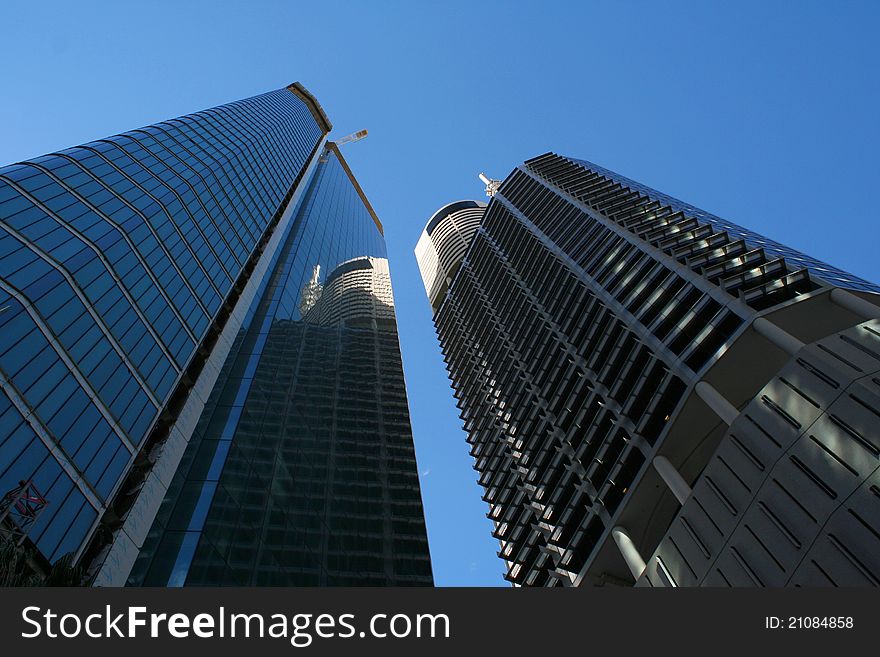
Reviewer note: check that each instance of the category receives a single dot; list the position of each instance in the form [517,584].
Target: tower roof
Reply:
[448,209]
[312,103]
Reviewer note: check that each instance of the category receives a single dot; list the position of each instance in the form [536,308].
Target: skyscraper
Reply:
[655,395]
[176,409]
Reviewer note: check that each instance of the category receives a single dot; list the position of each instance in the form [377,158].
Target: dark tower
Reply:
[653,394]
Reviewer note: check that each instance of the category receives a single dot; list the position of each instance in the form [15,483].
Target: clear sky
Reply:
[765,113]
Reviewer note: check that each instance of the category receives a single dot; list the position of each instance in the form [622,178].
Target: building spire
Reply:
[492,185]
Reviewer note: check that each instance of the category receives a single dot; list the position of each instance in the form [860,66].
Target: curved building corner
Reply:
[444,243]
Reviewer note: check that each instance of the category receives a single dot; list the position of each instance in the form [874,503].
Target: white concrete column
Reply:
[716,401]
[672,478]
[854,304]
[628,549]
[782,339]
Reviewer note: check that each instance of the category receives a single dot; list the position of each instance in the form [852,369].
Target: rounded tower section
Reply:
[444,243]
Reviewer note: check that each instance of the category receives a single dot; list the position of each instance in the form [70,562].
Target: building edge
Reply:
[312,103]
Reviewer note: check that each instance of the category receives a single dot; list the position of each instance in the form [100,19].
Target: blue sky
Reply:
[761,112]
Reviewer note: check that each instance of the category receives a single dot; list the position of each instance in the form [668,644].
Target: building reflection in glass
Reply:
[302,469]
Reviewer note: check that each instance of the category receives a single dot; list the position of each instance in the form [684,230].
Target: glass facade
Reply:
[116,258]
[301,470]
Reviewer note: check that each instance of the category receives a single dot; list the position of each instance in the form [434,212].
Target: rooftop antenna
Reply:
[492,185]
[348,139]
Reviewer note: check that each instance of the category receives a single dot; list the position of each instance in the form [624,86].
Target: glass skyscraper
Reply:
[200,369]
[654,395]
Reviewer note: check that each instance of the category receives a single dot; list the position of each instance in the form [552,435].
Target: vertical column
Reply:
[854,304]
[629,552]
[782,339]
[672,478]
[716,401]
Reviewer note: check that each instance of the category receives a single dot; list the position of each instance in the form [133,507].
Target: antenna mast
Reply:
[492,185]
